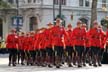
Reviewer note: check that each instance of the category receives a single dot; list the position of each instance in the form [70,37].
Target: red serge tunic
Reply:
[21,42]
[95,37]
[31,43]
[103,40]
[106,39]
[48,38]
[41,40]
[87,41]
[36,41]
[58,35]
[69,39]
[12,41]
[79,36]
[26,43]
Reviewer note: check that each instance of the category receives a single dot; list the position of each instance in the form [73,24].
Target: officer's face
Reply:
[69,28]
[96,26]
[79,25]
[83,26]
[50,26]
[57,23]
[32,35]
[12,32]
[41,31]
[27,34]
[22,34]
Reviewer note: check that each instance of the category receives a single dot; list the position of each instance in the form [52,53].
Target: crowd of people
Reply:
[56,45]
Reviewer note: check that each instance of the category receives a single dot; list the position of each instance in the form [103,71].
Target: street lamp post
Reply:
[53,11]
[60,8]
[17,25]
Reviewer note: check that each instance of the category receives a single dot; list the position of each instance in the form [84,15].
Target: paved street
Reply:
[5,68]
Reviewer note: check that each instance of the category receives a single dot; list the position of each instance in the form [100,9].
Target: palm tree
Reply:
[93,12]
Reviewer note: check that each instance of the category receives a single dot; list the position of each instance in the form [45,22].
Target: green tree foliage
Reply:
[104,23]
[62,17]
[4,5]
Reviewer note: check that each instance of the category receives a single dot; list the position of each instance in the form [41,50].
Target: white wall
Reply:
[48,2]
[46,18]
[74,3]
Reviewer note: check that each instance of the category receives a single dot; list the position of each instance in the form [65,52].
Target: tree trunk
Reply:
[93,12]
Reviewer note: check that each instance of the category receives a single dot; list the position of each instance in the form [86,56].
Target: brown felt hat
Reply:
[69,25]
[49,24]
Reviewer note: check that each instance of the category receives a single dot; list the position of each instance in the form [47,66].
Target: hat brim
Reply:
[49,24]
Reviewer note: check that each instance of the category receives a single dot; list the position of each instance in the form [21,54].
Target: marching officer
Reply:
[26,48]
[58,33]
[69,43]
[36,46]
[12,45]
[79,36]
[102,47]
[95,40]
[87,52]
[21,47]
[86,46]
[42,47]
[31,48]
[49,47]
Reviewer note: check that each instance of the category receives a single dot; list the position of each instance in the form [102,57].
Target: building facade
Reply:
[38,13]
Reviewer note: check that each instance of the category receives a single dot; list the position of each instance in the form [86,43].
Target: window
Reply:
[33,23]
[87,3]
[104,3]
[38,1]
[57,2]
[81,2]
[63,2]
[34,1]
[11,1]
[29,1]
